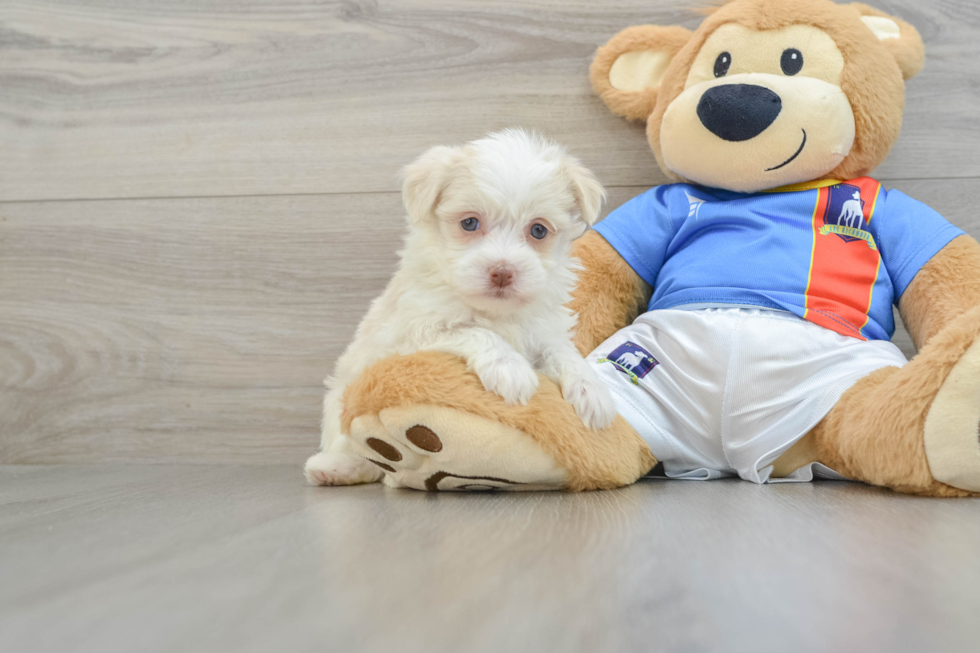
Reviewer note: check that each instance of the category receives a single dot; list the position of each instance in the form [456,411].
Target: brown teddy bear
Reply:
[742,315]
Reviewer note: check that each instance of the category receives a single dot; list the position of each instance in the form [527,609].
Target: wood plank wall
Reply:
[198,200]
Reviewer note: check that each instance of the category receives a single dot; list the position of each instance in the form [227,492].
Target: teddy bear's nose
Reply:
[738,112]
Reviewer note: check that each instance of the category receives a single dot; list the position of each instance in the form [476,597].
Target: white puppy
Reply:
[485,275]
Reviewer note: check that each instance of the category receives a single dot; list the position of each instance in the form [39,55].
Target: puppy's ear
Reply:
[627,71]
[588,192]
[424,180]
[899,38]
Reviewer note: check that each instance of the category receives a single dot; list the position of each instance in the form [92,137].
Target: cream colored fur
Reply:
[426,381]
[444,297]
[871,79]
[636,71]
[481,453]
[813,133]
[875,433]
[952,428]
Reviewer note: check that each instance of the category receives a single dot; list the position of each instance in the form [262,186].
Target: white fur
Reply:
[443,298]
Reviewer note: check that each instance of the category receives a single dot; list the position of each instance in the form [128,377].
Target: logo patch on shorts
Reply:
[633,360]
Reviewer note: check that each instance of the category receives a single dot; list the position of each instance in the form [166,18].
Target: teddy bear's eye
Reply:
[792,61]
[722,64]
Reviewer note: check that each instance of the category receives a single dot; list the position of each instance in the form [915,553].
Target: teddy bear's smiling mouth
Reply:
[792,158]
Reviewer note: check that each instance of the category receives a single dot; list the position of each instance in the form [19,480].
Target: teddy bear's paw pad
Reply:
[371,440]
[435,448]
[424,438]
[952,429]
[337,468]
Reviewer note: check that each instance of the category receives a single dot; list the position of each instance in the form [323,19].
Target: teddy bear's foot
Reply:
[436,448]
[914,429]
[430,424]
[952,428]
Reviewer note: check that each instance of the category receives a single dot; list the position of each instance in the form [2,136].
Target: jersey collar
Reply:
[810,185]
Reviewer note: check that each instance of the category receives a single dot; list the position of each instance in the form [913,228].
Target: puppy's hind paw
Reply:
[336,468]
[512,378]
[591,401]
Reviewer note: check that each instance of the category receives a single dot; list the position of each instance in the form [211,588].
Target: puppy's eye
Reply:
[539,231]
[722,64]
[470,224]
[792,61]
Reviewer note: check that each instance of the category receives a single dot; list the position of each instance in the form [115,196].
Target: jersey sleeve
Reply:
[640,231]
[908,234]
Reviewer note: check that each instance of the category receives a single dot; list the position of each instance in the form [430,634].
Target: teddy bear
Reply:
[742,314]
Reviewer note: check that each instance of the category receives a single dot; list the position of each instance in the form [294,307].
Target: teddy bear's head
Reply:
[765,93]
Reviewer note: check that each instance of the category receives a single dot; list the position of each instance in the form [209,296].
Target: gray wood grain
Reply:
[156,330]
[184,558]
[163,99]
[201,329]
[193,327]
[197,327]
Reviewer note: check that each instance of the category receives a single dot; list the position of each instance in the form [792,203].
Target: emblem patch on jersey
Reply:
[844,215]
[632,359]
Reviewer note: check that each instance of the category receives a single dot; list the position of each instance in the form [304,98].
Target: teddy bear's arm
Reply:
[945,288]
[609,294]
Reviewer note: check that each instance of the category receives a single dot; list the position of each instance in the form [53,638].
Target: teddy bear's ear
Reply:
[588,192]
[424,180]
[627,71]
[900,38]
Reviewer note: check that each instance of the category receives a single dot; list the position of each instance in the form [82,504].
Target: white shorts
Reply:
[721,392]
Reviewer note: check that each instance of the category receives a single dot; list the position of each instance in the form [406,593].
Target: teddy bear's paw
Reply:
[952,429]
[436,448]
[336,468]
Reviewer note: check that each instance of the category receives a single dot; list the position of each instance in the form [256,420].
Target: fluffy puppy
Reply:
[486,275]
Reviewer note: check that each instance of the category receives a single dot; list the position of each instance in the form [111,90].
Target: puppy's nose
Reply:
[501,276]
[738,112]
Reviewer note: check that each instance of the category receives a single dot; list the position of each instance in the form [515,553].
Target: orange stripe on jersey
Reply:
[843,265]
[869,189]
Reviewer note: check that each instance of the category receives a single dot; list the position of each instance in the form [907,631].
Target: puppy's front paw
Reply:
[591,400]
[511,377]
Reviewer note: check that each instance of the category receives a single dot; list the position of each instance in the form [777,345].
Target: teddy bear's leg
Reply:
[914,429]
[430,425]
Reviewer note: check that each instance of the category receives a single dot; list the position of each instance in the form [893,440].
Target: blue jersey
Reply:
[839,254]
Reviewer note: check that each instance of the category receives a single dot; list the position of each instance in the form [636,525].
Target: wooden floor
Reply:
[197,558]
[197,203]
